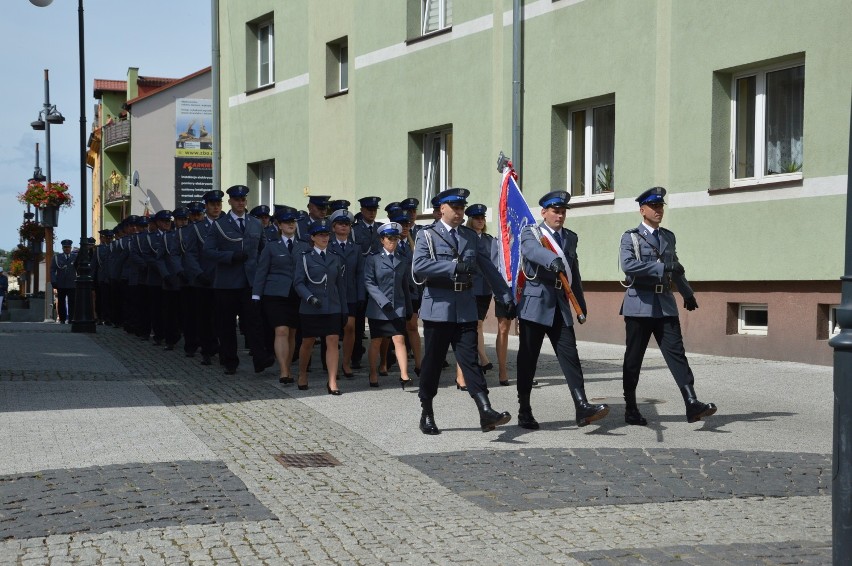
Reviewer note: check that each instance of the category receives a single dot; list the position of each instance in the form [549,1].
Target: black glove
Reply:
[388,308]
[239,257]
[203,280]
[314,302]
[511,310]
[557,265]
[674,267]
[690,304]
[465,267]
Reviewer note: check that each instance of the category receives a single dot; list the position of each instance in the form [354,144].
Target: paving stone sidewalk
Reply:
[116,452]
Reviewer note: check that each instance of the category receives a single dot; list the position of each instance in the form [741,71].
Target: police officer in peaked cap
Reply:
[649,259]
[446,255]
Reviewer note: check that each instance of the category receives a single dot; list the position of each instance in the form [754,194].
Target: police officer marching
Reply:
[101,276]
[63,277]
[317,210]
[234,241]
[446,255]
[649,259]
[550,260]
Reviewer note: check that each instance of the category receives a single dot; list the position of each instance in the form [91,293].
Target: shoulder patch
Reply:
[632,231]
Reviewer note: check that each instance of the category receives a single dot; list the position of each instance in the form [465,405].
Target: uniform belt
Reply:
[556,283]
[451,285]
[657,288]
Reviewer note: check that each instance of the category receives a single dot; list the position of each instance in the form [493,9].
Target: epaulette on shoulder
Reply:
[487,235]
[661,229]
[374,252]
[307,251]
[464,228]
[632,231]
[569,231]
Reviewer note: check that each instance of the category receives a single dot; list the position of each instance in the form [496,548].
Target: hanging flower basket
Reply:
[53,194]
[16,267]
[30,230]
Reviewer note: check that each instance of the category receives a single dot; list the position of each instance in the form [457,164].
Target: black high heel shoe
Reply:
[486,367]
[332,391]
[461,387]
[374,383]
[404,382]
[285,379]
[348,375]
[504,383]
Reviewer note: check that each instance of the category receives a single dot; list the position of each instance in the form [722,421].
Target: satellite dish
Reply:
[135,178]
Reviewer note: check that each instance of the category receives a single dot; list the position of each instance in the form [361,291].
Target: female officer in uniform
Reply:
[273,286]
[321,284]
[343,245]
[388,300]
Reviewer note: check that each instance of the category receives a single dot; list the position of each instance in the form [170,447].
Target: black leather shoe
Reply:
[206,361]
[586,412]
[695,409]
[332,391]
[427,424]
[285,380]
[489,419]
[527,420]
[632,416]
[486,367]
[461,387]
[427,419]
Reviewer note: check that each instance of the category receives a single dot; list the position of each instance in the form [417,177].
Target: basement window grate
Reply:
[309,460]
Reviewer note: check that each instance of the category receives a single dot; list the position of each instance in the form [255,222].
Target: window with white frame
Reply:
[767,124]
[591,150]
[833,326]
[265,53]
[437,163]
[435,15]
[337,66]
[753,319]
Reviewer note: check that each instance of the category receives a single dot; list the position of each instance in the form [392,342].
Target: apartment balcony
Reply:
[117,135]
[116,193]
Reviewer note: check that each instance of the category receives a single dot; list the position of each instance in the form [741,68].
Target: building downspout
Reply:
[214,70]
[517,92]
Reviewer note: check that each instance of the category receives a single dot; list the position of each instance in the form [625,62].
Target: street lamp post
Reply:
[47,116]
[841,479]
[83,309]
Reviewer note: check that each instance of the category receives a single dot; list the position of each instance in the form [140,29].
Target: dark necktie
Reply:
[656,235]
[402,247]
[342,246]
[455,238]
[289,245]
[558,237]
[322,256]
[242,225]
[391,258]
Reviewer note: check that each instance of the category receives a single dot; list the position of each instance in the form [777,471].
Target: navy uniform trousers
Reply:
[564,343]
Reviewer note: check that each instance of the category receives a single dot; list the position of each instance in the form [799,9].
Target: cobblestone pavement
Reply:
[116,452]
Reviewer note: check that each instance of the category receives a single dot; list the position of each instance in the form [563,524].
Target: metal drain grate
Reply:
[311,460]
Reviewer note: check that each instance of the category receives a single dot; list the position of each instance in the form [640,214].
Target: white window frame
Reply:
[437,163]
[743,328]
[589,182]
[266,183]
[269,49]
[445,10]
[833,326]
[759,128]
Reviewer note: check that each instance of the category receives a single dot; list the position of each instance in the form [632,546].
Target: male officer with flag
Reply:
[549,261]
[446,255]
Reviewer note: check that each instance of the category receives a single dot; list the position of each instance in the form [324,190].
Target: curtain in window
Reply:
[431,166]
[603,149]
[785,96]
[435,15]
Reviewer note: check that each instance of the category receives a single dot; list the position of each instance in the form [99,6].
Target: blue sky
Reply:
[163,38]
